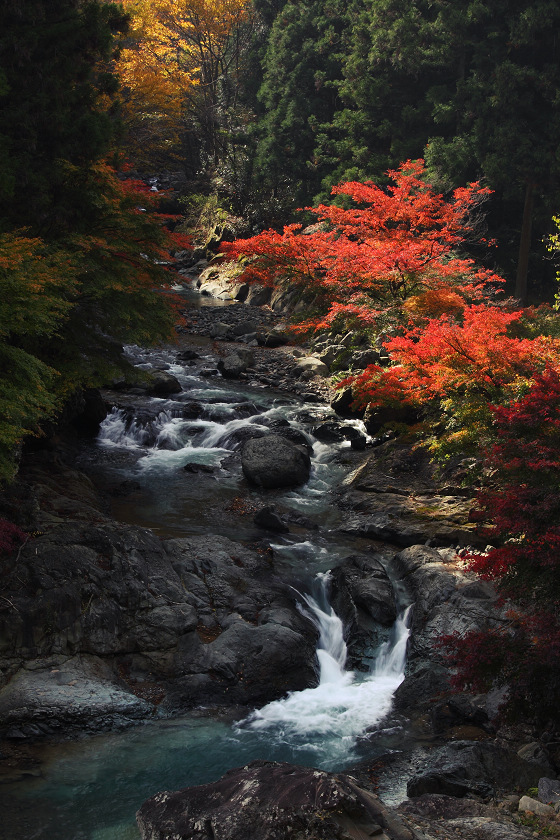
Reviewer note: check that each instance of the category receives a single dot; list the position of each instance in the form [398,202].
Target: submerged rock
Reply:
[267,800]
[267,518]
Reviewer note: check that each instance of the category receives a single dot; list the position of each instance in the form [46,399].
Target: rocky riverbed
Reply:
[105,623]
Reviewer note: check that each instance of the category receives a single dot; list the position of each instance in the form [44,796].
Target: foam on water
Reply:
[329,718]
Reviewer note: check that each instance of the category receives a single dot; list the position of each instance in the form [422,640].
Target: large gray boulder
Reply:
[270,801]
[273,461]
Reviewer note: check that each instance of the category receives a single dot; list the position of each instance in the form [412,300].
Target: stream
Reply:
[90,789]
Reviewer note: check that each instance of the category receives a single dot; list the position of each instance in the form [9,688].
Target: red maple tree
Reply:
[390,245]
[523,512]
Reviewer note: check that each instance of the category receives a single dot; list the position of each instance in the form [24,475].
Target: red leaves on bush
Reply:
[10,536]
[525,512]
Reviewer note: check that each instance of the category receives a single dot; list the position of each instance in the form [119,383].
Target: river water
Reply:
[90,789]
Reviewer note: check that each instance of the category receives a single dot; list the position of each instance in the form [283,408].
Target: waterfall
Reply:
[328,719]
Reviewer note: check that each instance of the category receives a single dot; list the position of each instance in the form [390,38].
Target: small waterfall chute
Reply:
[329,718]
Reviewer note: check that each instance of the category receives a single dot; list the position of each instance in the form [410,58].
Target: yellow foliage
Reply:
[173,47]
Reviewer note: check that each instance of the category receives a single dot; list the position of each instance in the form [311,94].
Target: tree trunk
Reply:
[525,245]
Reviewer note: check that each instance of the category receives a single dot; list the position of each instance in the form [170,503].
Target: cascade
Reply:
[330,717]
[92,789]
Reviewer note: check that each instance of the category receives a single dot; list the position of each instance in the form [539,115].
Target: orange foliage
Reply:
[391,246]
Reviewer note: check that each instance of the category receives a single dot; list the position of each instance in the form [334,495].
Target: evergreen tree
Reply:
[297,98]
[503,118]
[53,54]
[479,84]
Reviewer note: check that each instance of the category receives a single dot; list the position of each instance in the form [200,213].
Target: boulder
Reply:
[273,461]
[113,611]
[342,403]
[364,580]
[162,383]
[375,418]
[235,364]
[245,327]
[258,295]
[533,806]
[362,358]
[549,790]
[329,432]
[267,518]
[274,338]
[267,800]
[310,366]
[443,816]
[67,693]
[219,329]
[187,355]
[394,496]
[335,355]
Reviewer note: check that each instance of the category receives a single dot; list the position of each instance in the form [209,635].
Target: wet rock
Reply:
[93,412]
[267,518]
[481,768]
[364,580]
[358,441]
[269,801]
[246,409]
[192,410]
[442,605]
[185,615]
[274,461]
[188,355]
[199,468]
[77,692]
[163,383]
[235,364]
[329,432]
[237,437]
